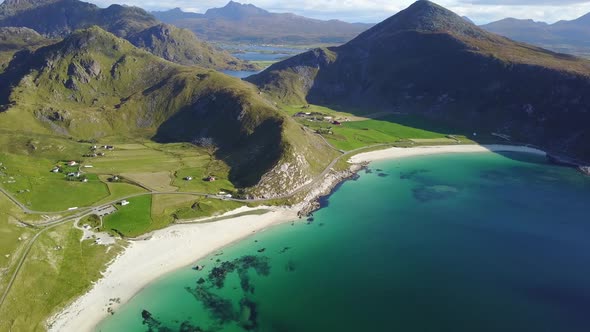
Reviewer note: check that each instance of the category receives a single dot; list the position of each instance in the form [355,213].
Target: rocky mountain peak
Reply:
[425,16]
[236,11]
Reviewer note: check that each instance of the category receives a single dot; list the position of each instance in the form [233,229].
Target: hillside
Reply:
[564,36]
[13,40]
[62,17]
[94,85]
[247,23]
[427,60]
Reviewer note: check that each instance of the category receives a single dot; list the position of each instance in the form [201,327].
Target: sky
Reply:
[372,11]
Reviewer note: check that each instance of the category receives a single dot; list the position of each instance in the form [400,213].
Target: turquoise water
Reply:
[473,242]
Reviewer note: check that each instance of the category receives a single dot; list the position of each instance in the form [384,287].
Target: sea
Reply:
[456,242]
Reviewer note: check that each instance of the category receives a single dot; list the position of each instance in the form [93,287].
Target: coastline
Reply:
[178,246]
[165,251]
[395,153]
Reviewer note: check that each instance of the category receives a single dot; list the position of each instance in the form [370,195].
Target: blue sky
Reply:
[481,11]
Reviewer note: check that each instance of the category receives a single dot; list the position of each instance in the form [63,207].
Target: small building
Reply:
[100,154]
[210,178]
[124,202]
[85,180]
[72,163]
[228,196]
[94,147]
[188,178]
[55,170]
[337,123]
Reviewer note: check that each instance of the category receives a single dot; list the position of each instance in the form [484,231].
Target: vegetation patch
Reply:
[58,269]
[206,207]
[131,220]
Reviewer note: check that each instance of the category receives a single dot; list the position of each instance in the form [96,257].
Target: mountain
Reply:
[181,46]
[427,60]
[62,17]
[93,84]
[564,36]
[13,40]
[247,23]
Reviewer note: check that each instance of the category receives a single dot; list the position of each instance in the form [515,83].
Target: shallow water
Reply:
[472,242]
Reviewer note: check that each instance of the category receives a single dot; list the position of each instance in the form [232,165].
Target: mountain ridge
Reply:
[132,23]
[567,36]
[448,70]
[236,22]
[93,84]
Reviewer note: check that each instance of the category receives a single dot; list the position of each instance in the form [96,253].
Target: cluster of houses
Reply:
[210,178]
[71,175]
[95,151]
[318,117]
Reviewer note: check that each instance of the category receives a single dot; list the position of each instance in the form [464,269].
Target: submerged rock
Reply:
[431,193]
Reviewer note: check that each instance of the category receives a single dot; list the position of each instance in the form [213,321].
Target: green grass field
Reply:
[356,131]
[58,269]
[29,179]
[206,207]
[131,220]
[13,236]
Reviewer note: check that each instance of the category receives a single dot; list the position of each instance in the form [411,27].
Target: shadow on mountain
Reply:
[250,149]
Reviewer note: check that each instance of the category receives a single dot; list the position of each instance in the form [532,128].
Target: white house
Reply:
[124,202]
[188,178]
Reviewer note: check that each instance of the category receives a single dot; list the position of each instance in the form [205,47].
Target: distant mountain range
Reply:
[564,36]
[247,23]
[59,18]
[427,60]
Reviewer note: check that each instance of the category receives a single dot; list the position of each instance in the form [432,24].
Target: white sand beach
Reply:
[165,251]
[183,244]
[394,153]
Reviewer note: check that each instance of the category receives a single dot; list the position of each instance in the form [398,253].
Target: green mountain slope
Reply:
[62,17]
[13,40]
[181,46]
[93,85]
[428,60]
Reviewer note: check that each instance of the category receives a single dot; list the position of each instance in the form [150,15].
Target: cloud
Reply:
[480,11]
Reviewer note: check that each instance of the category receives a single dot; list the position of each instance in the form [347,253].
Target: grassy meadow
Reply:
[356,131]
[131,220]
[46,282]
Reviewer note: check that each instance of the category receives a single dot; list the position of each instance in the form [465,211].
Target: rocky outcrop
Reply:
[584,169]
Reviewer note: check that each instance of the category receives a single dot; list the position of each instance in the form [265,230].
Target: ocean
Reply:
[457,242]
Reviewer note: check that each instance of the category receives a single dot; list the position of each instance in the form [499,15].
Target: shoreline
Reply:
[396,153]
[145,261]
[178,246]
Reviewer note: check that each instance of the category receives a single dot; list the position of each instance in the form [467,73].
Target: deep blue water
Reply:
[473,242]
